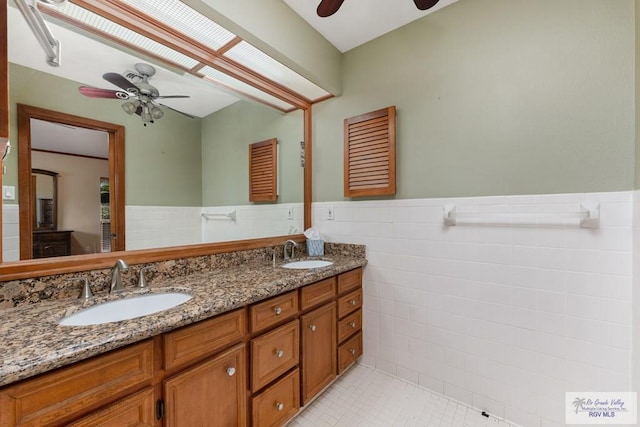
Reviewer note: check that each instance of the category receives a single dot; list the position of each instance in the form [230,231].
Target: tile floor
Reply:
[369,398]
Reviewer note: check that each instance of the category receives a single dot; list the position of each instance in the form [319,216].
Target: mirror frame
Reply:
[116,159]
[16,270]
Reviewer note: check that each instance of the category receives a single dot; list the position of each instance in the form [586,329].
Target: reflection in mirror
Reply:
[178,169]
[81,159]
[44,187]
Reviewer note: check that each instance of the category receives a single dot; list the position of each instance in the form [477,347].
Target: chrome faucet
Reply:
[293,249]
[116,276]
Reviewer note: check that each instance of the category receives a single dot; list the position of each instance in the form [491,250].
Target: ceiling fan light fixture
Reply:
[130,107]
[145,114]
[156,113]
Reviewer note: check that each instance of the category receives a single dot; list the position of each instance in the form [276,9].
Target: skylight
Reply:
[188,21]
[178,22]
[237,85]
[249,56]
[98,22]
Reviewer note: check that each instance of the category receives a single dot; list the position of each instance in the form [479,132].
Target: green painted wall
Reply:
[496,97]
[226,136]
[162,164]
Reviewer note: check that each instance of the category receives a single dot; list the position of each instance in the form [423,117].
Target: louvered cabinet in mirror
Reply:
[263,167]
[370,154]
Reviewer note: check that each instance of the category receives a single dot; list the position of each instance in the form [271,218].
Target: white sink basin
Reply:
[312,263]
[127,308]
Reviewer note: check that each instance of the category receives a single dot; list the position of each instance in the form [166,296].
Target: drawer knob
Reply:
[313,328]
[352,324]
[279,353]
[352,351]
[279,406]
[353,302]
[277,311]
[231,371]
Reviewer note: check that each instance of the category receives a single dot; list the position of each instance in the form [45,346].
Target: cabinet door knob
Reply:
[353,302]
[279,406]
[313,328]
[279,353]
[277,311]
[352,324]
[352,351]
[231,371]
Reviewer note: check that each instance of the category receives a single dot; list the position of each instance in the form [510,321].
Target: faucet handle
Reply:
[142,280]
[86,288]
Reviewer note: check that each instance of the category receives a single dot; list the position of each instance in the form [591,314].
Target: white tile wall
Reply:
[503,318]
[10,233]
[253,221]
[162,226]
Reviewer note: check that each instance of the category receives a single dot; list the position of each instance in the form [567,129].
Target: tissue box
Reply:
[315,247]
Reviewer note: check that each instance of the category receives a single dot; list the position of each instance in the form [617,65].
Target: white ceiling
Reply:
[69,139]
[85,60]
[359,21]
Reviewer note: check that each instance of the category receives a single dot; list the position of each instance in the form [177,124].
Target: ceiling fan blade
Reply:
[328,7]
[172,96]
[117,80]
[425,4]
[178,111]
[94,92]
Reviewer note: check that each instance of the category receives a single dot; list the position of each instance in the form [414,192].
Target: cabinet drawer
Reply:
[55,398]
[273,354]
[273,311]
[278,403]
[349,325]
[349,303]
[317,293]
[204,338]
[135,410]
[349,352]
[350,280]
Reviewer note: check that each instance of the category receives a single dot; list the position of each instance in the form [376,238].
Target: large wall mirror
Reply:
[184,173]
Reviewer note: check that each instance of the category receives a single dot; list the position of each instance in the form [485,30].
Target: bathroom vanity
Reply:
[253,346]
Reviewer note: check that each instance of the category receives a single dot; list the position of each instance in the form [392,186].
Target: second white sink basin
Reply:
[124,309]
[311,263]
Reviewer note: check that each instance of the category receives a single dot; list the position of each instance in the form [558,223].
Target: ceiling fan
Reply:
[137,87]
[329,7]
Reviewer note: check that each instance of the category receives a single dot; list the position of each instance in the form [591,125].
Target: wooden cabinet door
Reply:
[318,349]
[212,393]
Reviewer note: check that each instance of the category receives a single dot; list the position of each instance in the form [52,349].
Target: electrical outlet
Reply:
[290,212]
[330,213]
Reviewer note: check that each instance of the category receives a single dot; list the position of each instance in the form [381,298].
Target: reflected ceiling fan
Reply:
[329,7]
[134,86]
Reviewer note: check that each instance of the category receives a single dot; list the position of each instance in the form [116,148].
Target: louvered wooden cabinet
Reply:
[263,171]
[370,154]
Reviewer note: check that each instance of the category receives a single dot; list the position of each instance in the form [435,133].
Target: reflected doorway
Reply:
[85,158]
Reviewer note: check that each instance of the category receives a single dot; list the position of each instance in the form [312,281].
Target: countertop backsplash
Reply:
[17,293]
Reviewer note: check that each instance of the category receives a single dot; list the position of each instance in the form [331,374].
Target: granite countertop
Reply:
[32,342]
